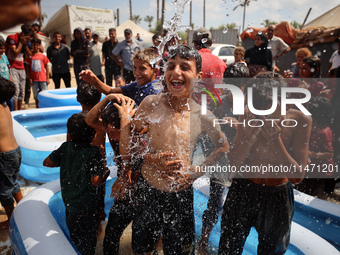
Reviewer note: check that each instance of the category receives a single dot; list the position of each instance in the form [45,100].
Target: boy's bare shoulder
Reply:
[299,116]
[153,100]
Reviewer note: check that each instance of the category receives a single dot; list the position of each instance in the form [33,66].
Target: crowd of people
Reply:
[153,142]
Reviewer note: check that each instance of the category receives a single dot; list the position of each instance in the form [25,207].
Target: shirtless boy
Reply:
[10,154]
[165,193]
[264,200]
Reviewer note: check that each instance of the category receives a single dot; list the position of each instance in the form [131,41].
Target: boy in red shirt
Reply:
[38,70]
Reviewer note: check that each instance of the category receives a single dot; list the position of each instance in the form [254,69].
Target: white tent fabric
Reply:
[144,35]
[70,17]
[328,19]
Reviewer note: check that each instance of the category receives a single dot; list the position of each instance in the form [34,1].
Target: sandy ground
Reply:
[125,241]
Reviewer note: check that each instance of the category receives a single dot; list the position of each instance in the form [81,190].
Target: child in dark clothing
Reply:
[81,172]
[320,149]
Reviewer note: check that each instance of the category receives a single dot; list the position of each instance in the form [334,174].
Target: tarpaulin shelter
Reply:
[328,19]
[70,17]
[146,36]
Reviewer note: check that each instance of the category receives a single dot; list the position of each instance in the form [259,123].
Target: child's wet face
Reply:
[178,73]
[143,72]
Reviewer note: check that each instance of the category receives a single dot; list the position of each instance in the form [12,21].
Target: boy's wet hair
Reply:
[35,40]
[236,74]
[321,110]
[146,55]
[236,70]
[87,94]
[263,85]
[78,130]
[7,90]
[186,52]
[110,115]
[314,63]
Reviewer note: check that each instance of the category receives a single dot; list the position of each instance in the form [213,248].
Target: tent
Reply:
[144,35]
[328,19]
[70,16]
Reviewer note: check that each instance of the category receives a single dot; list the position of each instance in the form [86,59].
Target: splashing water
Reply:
[225,30]
[173,26]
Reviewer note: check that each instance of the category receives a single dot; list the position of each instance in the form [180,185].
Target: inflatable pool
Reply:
[39,132]
[45,232]
[59,97]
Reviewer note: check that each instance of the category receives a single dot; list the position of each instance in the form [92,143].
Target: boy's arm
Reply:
[244,141]
[90,77]
[47,74]
[93,117]
[100,179]
[299,152]
[49,163]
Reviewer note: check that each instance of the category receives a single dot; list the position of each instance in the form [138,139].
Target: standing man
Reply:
[58,54]
[96,57]
[277,46]
[127,49]
[335,58]
[111,67]
[17,46]
[88,33]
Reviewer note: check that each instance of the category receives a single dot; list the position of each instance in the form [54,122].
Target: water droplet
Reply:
[304,125]
[312,70]
[318,53]
[331,33]
[249,30]
[227,15]
[259,33]
[198,33]
[324,51]
[310,44]
[328,221]
[310,31]
[332,13]
[225,30]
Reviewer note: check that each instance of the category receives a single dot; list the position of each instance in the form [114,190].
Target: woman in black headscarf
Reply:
[259,58]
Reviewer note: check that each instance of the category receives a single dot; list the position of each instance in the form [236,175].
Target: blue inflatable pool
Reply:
[59,97]
[46,232]
[39,132]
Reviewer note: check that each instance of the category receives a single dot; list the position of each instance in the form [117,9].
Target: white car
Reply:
[224,52]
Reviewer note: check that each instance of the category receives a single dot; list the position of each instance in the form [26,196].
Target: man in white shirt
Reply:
[335,58]
[96,57]
[277,46]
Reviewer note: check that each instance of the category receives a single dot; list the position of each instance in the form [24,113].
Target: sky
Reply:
[218,12]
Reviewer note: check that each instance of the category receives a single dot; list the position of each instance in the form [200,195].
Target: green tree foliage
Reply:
[137,19]
[268,22]
[149,19]
[295,24]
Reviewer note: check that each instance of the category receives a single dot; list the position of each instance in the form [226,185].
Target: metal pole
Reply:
[117,17]
[190,22]
[130,9]
[163,7]
[203,13]
[244,15]
[157,11]
[310,9]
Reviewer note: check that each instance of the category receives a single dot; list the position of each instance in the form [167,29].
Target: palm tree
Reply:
[148,19]
[295,24]
[244,4]
[130,9]
[137,19]
[268,22]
